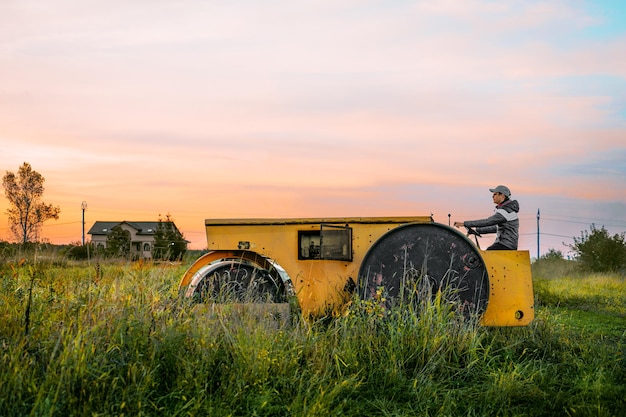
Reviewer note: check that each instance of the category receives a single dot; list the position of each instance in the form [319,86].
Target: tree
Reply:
[597,251]
[27,212]
[118,243]
[169,242]
[552,254]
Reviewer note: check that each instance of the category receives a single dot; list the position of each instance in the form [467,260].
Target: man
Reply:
[504,222]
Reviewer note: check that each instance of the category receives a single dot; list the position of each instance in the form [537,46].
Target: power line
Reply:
[550,234]
[59,224]
[545,234]
[587,223]
[582,218]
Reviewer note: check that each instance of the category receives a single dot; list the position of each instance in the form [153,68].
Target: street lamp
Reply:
[83,206]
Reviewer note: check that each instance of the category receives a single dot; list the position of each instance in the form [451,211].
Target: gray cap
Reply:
[501,189]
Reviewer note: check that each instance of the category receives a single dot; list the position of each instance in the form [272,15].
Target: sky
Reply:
[246,109]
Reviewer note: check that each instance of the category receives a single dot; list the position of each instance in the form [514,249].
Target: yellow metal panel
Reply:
[320,220]
[319,284]
[511,300]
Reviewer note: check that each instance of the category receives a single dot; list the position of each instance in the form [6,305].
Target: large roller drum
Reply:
[414,261]
[245,279]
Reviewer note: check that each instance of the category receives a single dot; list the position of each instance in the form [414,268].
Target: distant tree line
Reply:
[27,213]
[595,250]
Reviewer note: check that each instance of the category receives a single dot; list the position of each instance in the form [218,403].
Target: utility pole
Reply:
[538,234]
[83,206]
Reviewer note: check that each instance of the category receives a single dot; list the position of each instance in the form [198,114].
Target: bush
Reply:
[553,265]
[552,254]
[597,251]
[80,252]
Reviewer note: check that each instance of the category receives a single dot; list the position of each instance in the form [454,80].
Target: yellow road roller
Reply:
[325,262]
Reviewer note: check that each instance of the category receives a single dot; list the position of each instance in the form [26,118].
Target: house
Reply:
[141,236]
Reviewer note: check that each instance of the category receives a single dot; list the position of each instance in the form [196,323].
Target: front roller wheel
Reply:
[235,277]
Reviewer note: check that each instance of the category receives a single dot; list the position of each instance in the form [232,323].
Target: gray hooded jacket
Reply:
[504,222]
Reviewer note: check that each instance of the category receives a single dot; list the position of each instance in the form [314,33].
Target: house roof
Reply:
[142,228]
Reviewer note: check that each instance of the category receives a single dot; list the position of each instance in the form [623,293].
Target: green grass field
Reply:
[118,340]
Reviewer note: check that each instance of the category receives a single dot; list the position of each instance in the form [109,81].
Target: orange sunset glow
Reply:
[317,109]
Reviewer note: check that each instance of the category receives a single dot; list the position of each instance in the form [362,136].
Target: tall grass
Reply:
[598,292]
[119,340]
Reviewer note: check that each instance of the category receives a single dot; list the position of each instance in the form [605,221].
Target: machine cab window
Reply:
[330,242]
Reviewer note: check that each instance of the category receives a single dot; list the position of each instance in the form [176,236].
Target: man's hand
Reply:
[471,231]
